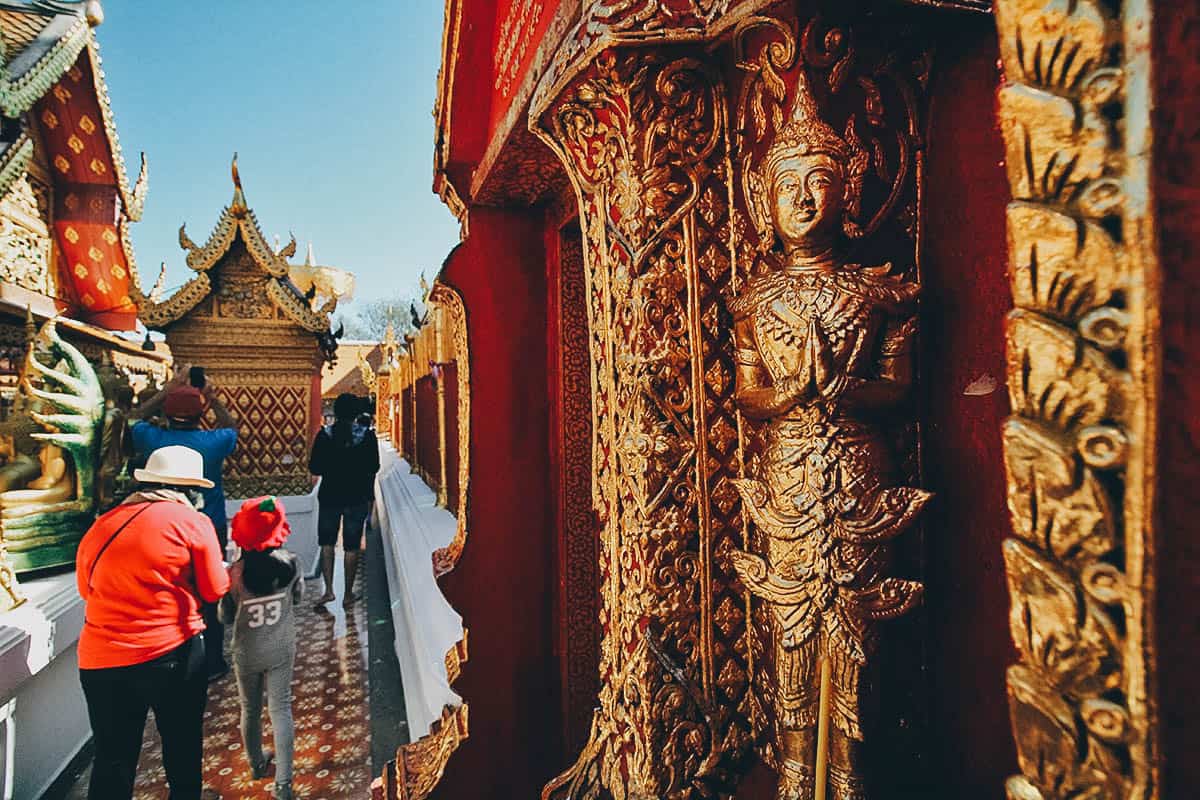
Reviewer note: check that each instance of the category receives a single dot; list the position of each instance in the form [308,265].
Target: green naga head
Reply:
[66,401]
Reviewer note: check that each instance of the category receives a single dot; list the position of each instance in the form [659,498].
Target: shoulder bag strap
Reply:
[124,525]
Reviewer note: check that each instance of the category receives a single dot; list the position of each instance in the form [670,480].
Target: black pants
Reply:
[214,640]
[175,685]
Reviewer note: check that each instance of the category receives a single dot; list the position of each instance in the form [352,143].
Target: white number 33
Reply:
[264,613]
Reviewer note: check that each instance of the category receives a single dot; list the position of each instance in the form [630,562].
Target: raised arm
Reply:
[149,407]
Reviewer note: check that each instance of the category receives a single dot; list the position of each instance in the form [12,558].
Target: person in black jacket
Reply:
[346,456]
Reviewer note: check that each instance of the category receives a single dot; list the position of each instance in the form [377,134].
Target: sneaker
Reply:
[283,791]
[259,770]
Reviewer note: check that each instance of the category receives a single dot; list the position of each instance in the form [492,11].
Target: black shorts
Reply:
[351,520]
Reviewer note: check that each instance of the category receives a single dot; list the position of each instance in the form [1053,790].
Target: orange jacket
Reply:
[143,590]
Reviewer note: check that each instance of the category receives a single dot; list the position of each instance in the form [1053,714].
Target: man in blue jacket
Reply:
[184,407]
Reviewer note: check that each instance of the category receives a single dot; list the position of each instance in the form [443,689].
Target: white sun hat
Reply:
[175,465]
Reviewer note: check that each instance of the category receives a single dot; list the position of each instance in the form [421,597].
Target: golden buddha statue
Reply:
[55,483]
[820,345]
[16,469]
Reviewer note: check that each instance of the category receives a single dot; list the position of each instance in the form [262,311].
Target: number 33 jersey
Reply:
[264,627]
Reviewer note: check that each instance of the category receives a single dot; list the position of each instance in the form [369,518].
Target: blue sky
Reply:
[329,109]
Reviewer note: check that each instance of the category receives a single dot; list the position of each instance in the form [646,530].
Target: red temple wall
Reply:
[406,413]
[1176,46]
[503,584]
[966,298]
[471,91]
[520,26]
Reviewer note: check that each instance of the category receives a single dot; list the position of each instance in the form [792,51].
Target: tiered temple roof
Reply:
[237,220]
[53,97]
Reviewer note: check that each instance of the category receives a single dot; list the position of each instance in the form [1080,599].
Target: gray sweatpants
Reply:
[278,681]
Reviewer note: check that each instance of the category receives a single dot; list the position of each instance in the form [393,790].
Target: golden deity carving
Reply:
[822,345]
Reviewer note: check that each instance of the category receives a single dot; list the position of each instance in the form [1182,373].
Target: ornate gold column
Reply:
[652,197]
[1083,377]
[413,355]
[439,331]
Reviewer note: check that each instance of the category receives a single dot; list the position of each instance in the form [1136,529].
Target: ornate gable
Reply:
[53,95]
[236,264]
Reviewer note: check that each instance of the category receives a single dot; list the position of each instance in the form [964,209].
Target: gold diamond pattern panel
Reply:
[273,424]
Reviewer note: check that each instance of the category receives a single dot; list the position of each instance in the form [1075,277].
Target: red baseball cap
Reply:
[261,523]
[185,402]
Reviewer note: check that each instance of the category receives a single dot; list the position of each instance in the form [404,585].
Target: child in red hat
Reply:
[265,586]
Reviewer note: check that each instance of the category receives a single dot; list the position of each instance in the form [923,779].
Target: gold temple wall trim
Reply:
[1084,355]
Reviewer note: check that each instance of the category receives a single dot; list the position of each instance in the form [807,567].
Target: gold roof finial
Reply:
[93,12]
[238,206]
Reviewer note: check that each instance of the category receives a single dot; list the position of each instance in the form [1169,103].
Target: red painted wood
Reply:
[503,584]
[428,444]
[966,297]
[1176,59]
[519,28]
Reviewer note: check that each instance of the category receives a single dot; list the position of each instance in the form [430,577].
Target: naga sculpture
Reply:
[821,346]
[43,517]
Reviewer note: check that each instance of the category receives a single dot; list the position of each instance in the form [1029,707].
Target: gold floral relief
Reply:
[1083,383]
[643,137]
[705,338]
[439,342]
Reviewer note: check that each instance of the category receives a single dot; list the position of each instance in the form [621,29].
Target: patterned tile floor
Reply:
[329,704]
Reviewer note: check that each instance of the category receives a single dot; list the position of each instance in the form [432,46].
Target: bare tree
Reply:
[368,320]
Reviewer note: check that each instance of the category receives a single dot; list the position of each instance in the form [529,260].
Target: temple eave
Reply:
[20,94]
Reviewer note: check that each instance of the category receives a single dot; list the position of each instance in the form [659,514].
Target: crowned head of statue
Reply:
[807,189]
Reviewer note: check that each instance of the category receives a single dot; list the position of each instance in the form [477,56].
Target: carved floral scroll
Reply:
[1083,382]
[644,141]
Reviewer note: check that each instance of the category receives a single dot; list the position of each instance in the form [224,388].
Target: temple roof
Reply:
[54,106]
[37,48]
[236,220]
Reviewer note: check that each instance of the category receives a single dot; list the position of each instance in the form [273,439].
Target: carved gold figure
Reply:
[820,345]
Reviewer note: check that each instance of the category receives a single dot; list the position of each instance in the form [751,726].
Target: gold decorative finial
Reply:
[156,292]
[238,206]
[93,12]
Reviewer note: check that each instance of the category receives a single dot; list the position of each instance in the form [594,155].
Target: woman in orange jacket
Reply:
[143,570]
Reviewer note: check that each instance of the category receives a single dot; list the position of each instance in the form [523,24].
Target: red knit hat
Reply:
[260,524]
[186,402]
